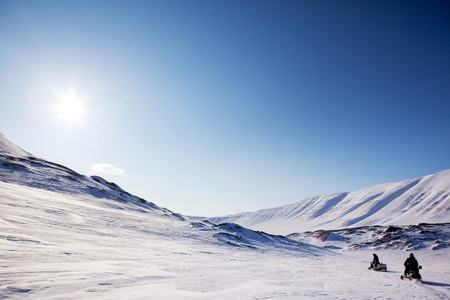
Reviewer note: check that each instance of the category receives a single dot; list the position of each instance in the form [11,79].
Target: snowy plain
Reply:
[64,235]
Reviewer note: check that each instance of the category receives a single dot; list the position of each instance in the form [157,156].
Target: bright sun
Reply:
[70,109]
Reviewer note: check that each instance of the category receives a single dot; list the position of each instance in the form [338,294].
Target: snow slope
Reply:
[6,146]
[420,200]
[64,235]
[47,176]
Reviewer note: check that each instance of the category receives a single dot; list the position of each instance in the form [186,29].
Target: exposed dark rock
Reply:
[412,237]
[392,229]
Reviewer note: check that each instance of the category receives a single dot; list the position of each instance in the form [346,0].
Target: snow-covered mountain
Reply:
[64,235]
[6,146]
[19,167]
[419,200]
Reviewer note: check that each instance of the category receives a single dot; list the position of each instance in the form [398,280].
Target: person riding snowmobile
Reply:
[375,262]
[411,264]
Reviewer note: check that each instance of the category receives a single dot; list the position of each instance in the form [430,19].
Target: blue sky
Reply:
[215,107]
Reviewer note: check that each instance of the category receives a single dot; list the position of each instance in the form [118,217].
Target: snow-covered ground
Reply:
[67,246]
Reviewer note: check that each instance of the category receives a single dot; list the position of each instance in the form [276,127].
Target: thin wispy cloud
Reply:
[107,169]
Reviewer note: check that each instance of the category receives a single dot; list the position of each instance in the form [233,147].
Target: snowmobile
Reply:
[380,267]
[412,274]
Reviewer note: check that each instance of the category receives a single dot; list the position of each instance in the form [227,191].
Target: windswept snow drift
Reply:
[420,200]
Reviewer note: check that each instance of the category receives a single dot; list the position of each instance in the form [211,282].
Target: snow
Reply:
[68,246]
[6,146]
[67,236]
[420,200]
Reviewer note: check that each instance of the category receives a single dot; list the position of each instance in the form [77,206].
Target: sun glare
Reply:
[70,109]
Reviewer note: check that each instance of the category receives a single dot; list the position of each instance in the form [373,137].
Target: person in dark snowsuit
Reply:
[375,261]
[411,264]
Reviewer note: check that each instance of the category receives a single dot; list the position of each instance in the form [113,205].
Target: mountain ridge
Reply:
[8,147]
[417,200]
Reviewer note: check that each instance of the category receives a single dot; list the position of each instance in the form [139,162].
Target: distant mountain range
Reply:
[420,200]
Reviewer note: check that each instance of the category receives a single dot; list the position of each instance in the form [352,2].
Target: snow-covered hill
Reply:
[420,200]
[38,173]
